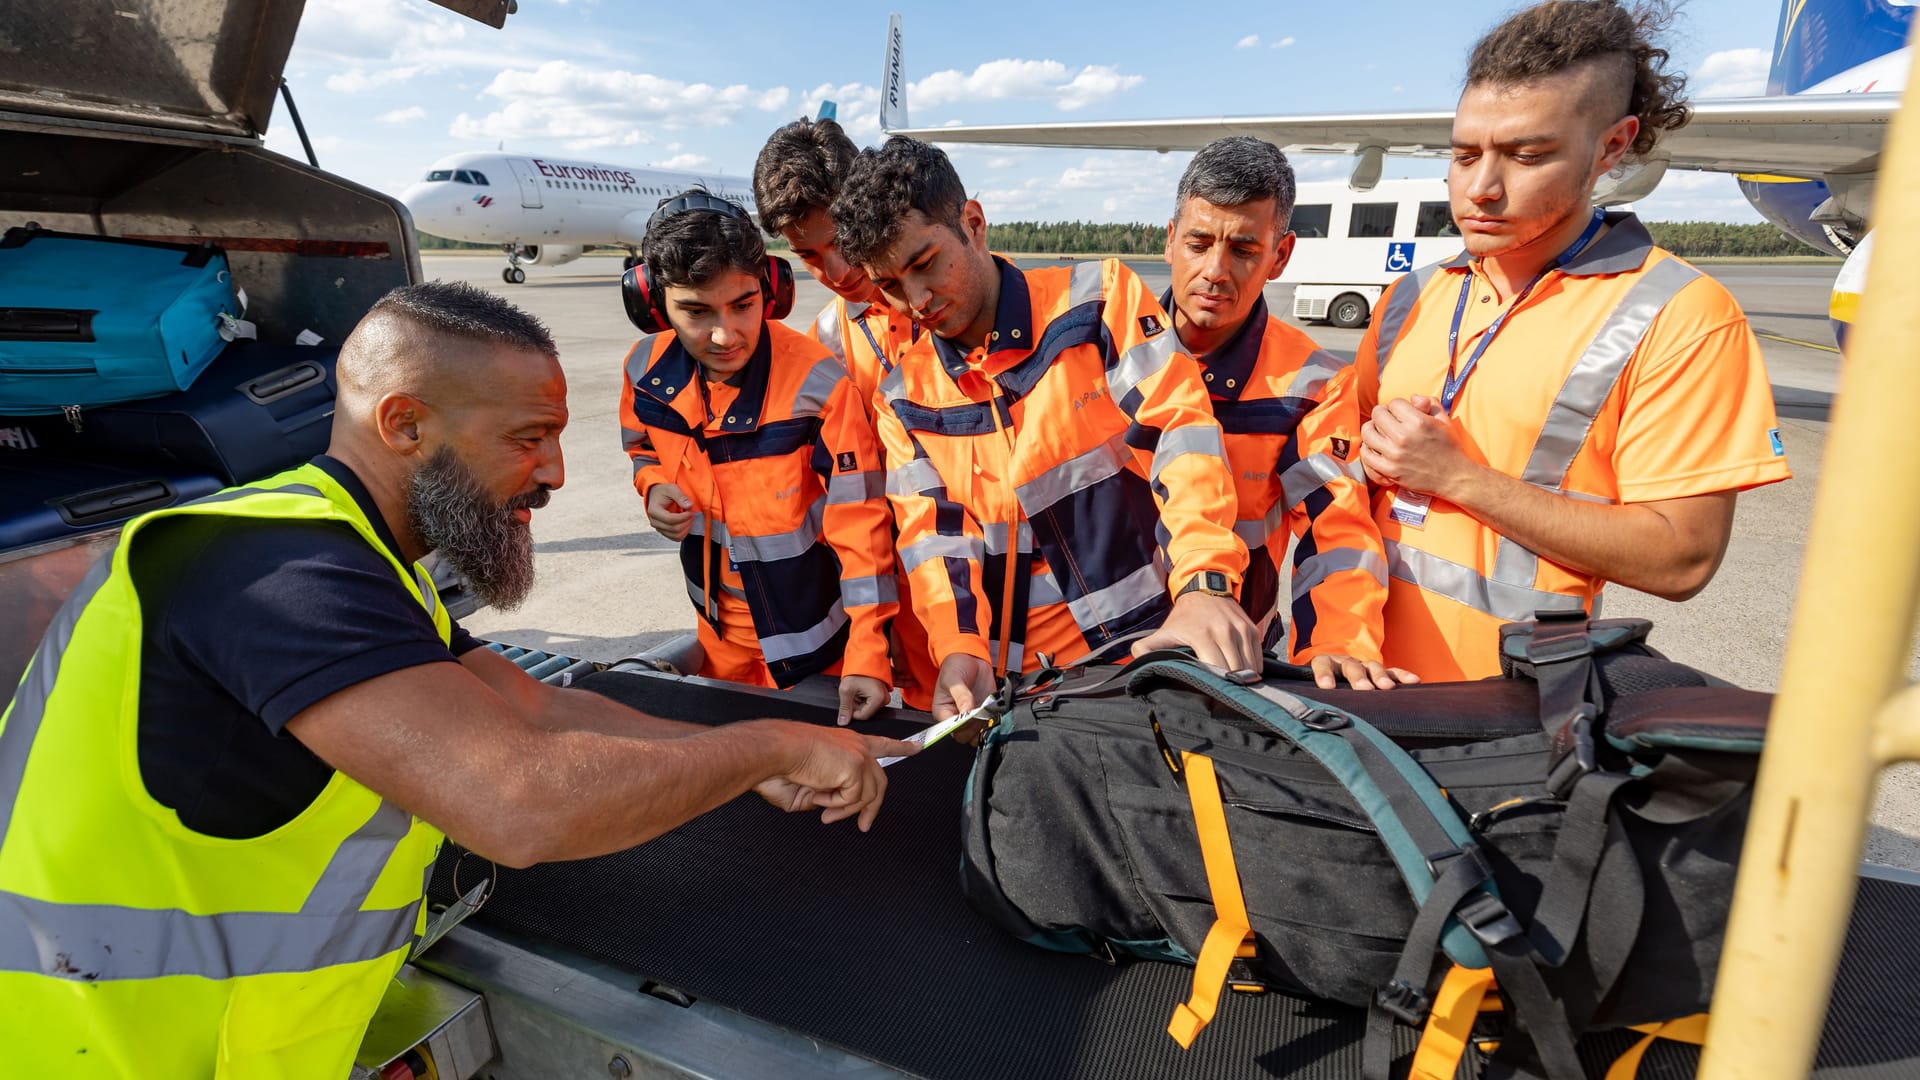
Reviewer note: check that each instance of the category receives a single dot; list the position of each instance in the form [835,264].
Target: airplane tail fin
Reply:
[1819,39]
[828,111]
[893,80]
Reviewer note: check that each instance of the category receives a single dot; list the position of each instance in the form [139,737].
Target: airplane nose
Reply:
[427,203]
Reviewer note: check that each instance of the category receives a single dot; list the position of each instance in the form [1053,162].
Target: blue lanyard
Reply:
[886,366]
[1450,390]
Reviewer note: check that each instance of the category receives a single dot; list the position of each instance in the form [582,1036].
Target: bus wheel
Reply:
[1348,310]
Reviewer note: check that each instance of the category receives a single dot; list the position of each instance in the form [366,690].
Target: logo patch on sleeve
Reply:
[847,461]
[1779,447]
[1340,448]
[1150,325]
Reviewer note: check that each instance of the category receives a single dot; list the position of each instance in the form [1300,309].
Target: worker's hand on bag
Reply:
[833,771]
[860,697]
[1214,627]
[964,682]
[669,511]
[1410,443]
[1360,674]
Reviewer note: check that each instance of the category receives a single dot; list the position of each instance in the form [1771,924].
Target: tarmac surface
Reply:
[610,587]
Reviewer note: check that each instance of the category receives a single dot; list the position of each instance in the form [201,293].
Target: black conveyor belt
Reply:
[864,942]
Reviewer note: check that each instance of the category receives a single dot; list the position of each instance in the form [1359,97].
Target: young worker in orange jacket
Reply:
[795,178]
[1564,404]
[1058,479]
[751,449]
[1288,410]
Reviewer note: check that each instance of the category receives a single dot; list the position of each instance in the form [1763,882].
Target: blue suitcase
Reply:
[87,321]
[44,498]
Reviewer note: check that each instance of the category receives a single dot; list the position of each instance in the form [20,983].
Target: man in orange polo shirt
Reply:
[1564,404]
[1289,413]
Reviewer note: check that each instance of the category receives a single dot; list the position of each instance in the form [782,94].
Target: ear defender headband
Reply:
[646,300]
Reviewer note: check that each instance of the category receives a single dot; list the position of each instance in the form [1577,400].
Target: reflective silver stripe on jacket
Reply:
[1191,439]
[1313,472]
[875,589]
[1140,363]
[996,534]
[1043,589]
[936,546]
[1254,531]
[1016,653]
[1393,318]
[1074,474]
[1109,604]
[1087,283]
[1314,375]
[916,477]
[1332,561]
[776,546]
[826,328]
[817,387]
[856,487]
[801,642]
[712,530]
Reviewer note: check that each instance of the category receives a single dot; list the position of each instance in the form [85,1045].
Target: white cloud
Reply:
[1697,196]
[1732,73]
[1283,42]
[857,107]
[1121,186]
[1247,42]
[1032,80]
[684,161]
[404,116]
[595,107]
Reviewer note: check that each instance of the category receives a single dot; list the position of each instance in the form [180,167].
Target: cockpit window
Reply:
[479,178]
[440,174]
[463,177]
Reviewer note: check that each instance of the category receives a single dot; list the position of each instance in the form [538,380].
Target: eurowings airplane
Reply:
[1806,154]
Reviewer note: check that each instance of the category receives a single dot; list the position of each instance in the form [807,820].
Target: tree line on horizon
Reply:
[1687,239]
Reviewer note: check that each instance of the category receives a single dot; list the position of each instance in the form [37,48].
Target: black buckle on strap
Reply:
[1404,1001]
[1488,919]
[1436,862]
[1574,753]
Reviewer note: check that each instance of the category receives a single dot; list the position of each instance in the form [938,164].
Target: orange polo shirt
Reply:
[1626,376]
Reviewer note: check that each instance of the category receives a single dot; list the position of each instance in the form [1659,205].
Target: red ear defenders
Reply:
[646,302]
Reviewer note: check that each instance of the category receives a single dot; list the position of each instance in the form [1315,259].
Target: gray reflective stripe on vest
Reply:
[236,494]
[878,589]
[1074,474]
[826,328]
[356,864]
[916,477]
[1109,604]
[801,642]
[1191,439]
[856,487]
[1086,284]
[1585,392]
[1044,589]
[1140,363]
[429,593]
[940,547]
[1444,577]
[1313,472]
[30,701]
[817,387]
[776,546]
[1332,561]
[1314,375]
[1393,317]
[101,942]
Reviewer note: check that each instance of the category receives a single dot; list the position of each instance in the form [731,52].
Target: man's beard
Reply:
[451,513]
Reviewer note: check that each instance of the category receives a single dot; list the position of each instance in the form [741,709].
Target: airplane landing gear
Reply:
[513,275]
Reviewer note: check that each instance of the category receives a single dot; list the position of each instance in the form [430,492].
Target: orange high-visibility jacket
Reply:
[867,338]
[1055,488]
[788,489]
[1292,421]
[1626,376]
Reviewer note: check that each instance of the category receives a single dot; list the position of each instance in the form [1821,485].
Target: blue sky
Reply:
[387,87]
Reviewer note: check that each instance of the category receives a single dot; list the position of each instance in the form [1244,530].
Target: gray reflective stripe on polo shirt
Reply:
[357,862]
[1074,474]
[1393,317]
[1444,577]
[1314,375]
[801,642]
[1044,589]
[856,487]
[1140,363]
[1087,283]
[1191,439]
[861,591]
[817,387]
[103,942]
[1109,604]
[1332,561]
[826,329]
[1585,392]
[776,546]
[1311,473]
[940,547]
[916,477]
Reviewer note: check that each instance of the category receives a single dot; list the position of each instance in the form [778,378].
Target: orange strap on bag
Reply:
[1231,928]
[1450,1023]
[1687,1029]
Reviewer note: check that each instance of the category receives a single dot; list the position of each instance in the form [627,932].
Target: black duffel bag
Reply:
[1523,859]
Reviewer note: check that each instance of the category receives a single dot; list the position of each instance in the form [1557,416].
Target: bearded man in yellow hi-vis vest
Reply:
[227,770]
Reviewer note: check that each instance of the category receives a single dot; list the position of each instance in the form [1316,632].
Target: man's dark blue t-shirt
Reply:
[245,623]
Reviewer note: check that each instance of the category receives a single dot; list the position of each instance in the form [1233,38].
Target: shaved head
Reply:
[420,340]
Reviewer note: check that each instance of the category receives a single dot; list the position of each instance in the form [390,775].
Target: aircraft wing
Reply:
[1804,135]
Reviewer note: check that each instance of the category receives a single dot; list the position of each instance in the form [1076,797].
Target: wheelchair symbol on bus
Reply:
[1399,257]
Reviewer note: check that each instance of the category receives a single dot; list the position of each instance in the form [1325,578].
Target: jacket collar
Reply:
[1012,322]
[678,388]
[1231,365]
[1625,248]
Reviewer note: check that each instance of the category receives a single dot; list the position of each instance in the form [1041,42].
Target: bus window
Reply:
[1372,219]
[1312,221]
[1436,219]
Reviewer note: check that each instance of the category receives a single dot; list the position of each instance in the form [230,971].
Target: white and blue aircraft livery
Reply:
[544,211]
[1806,154]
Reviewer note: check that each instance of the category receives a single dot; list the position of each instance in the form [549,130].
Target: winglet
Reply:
[828,111]
[893,81]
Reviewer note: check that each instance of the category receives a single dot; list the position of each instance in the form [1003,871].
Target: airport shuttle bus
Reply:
[1352,244]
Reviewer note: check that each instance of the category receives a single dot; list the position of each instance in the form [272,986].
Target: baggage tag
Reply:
[1410,508]
[927,736]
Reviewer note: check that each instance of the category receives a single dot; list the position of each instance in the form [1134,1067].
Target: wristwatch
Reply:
[1211,582]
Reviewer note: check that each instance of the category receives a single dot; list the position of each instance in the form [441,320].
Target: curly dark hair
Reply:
[885,184]
[691,248]
[1549,38]
[800,170]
